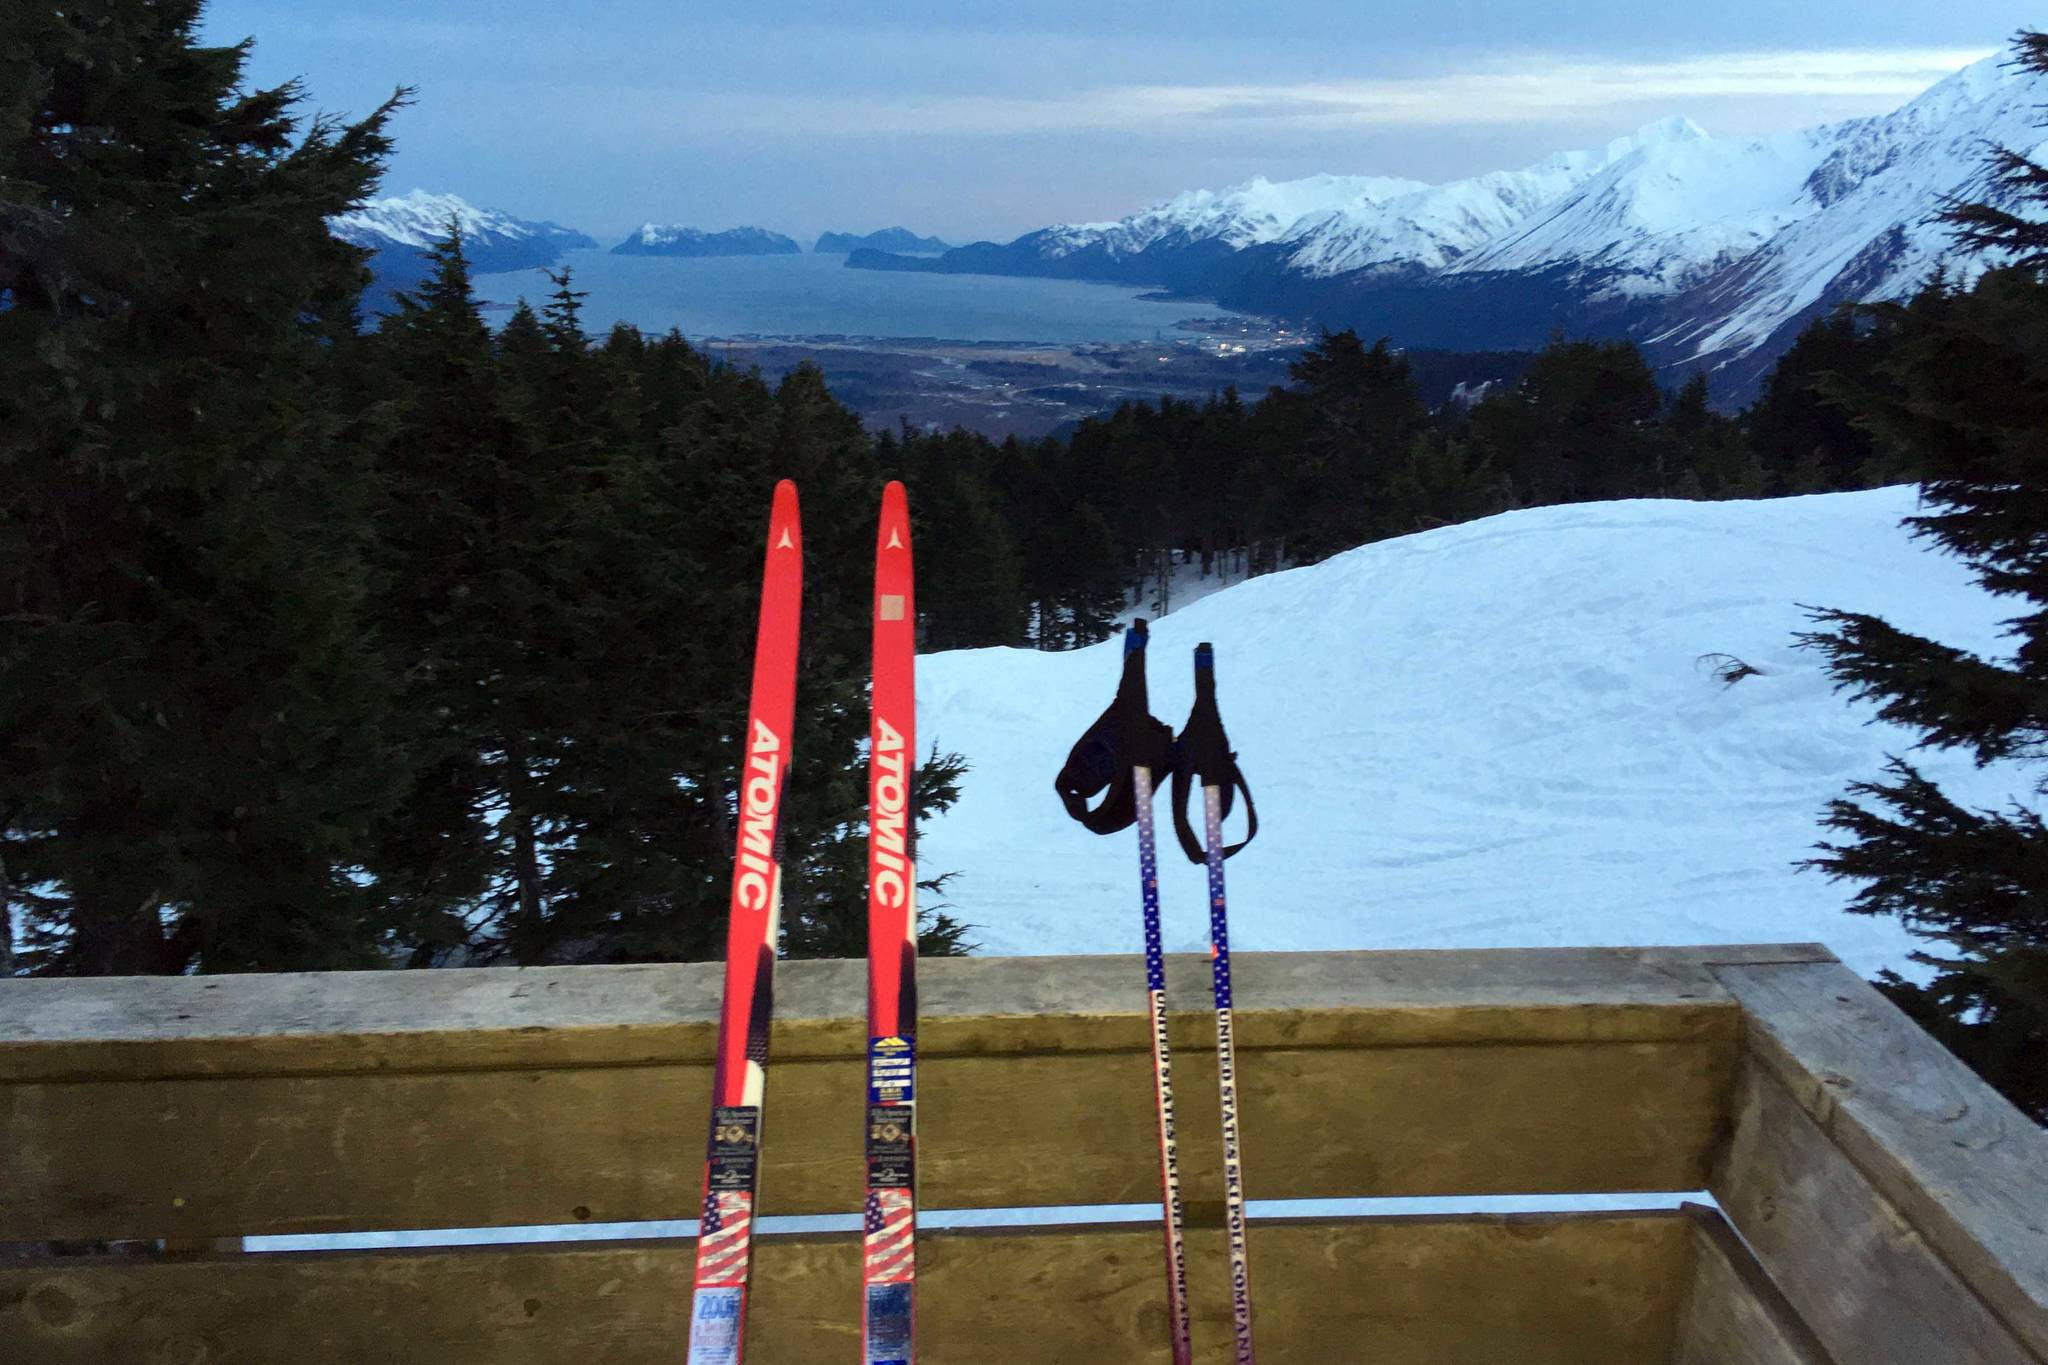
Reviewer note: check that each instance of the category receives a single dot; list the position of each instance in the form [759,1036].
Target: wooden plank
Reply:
[1444,1073]
[1733,1314]
[230,1157]
[1857,1271]
[154,1028]
[1964,1167]
[1535,1289]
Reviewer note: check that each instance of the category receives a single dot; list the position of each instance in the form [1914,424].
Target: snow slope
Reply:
[1492,735]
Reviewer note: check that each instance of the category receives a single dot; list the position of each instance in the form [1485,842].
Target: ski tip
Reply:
[1134,638]
[785,532]
[1205,656]
[893,531]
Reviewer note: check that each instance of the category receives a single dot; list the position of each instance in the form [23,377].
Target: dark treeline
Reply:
[1044,542]
[328,645]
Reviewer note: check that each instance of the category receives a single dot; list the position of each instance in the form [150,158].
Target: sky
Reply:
[977,120]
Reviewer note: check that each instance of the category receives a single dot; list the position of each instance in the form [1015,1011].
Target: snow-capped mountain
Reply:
[421,219]
[1436,226]
[1711,251]
[1861,225]
[673,239]
[1250,214]
[400,229]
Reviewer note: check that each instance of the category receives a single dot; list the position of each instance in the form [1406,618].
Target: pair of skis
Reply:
[1128,743]
[731,1172]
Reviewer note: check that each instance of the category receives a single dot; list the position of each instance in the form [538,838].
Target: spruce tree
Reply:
[1364,413]
[1804,432]
[1964,391]
[192,741]
[1579,427]
[443,452]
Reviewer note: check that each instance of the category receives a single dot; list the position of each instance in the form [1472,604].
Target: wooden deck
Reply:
[1881,1204]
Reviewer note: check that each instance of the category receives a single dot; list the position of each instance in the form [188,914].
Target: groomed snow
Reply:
[1494,735]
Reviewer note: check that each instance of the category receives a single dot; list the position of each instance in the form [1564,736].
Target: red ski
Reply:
[889,1260]
[718,1312]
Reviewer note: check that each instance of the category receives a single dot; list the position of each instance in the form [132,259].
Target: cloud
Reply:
[1501,90]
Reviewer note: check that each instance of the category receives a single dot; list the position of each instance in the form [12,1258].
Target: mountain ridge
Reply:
[897,239]
[1711,252]
[675,239]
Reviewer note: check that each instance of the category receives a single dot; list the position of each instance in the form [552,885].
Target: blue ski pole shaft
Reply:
[1162,1071]
[1226,1073]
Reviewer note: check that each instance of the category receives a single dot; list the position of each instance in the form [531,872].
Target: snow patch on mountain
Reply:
[1499,734]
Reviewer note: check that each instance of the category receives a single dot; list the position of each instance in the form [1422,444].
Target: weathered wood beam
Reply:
[199,1107]
[1855,1269]
[1852,1108]
[1534,1289]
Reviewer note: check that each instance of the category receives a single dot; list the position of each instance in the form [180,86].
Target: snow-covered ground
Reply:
[1494,735]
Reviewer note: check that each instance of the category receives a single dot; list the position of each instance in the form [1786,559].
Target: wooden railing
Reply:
[1881,1204]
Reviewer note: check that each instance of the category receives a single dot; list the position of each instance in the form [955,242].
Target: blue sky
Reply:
[972,119]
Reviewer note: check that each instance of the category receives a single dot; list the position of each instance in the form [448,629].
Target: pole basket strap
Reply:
[1123,738]
[1202,758]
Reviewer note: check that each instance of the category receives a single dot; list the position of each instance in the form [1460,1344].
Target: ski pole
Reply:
[1120,756]
[1203,754]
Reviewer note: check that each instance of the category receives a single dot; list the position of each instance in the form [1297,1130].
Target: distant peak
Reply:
[1676,128]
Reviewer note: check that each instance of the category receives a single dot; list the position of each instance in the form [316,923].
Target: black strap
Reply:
[1202,758]
[1123,737]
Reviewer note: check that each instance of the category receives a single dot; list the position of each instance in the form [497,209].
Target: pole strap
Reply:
[1124,737]
[1203,758]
